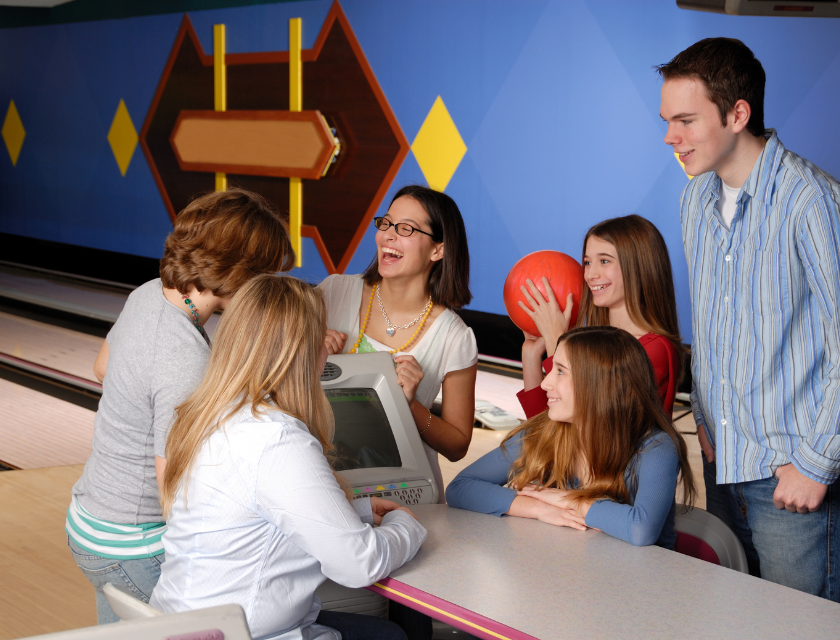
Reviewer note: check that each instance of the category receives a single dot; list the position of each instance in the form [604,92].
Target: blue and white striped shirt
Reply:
[765,304]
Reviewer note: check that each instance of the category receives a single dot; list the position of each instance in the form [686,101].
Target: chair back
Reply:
[126,606]
[705,536]
[226,622]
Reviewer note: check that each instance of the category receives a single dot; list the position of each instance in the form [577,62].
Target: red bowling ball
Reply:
[565,276]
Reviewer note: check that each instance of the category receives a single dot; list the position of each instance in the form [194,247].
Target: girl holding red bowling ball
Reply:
[627,284]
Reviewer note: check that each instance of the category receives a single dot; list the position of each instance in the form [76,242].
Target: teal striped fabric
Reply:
[110,540]
[766,333]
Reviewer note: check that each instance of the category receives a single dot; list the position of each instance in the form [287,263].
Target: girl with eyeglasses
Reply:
[603,456]
[628,284]
[404,303]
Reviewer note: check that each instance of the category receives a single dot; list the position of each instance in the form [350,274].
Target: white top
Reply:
[727,203]
[448,344]
[265,523]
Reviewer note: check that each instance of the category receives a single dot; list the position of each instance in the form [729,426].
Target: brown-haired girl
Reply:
[255,515]
[604,455]
[153,358]
[403,304]
[628,284]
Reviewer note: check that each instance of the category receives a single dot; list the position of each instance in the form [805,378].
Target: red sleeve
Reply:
[535,401]
[663,357]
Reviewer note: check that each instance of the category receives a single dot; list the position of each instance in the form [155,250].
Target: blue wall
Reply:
[555,100]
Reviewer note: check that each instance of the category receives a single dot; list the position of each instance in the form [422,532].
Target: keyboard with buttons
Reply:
[407,493]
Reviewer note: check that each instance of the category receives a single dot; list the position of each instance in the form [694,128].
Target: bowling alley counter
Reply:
[515,578]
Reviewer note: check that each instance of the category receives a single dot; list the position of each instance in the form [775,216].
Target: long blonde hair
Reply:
[617,406]
[266,355]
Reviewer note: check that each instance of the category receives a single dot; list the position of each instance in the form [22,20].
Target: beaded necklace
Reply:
[425,315]
[194,313]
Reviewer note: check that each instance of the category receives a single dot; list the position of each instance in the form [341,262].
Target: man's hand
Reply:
[796,492]
[382,507]
[705,445]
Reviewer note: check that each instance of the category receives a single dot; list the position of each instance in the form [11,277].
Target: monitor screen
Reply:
[363,437]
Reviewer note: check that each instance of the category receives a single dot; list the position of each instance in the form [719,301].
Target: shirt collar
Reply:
[762,177]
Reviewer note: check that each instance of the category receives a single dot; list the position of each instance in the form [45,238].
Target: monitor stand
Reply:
[412,483]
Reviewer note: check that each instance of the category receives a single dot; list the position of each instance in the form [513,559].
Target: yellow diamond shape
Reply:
[13,132]
[122,137]
[438,147]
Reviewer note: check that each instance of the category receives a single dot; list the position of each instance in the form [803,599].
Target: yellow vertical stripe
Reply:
[219,85]
[295,104]
[296,216]
[295,65]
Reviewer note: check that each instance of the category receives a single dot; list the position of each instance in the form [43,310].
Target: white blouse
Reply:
[264,523]
[448,344]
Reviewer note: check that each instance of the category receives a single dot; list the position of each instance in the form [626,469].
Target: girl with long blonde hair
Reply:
[255,514]
[604,455]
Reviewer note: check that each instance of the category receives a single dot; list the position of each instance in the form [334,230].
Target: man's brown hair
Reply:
[729,71]
[223,239]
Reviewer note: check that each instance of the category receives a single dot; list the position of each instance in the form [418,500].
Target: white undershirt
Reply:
[727,203]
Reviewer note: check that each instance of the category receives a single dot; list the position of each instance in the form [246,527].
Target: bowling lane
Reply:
[38,430]
[56,348]
[86,300]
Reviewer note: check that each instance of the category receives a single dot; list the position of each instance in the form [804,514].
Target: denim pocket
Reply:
[99,571]
[114,574]
[80,554]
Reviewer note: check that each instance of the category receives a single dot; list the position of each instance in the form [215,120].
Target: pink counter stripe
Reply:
[446,611]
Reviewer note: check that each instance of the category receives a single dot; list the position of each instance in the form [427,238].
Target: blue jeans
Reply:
[797,550]
[138,577]
[355,626]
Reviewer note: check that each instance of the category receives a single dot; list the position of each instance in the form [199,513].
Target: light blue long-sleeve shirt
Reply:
[765,297]
[651,480]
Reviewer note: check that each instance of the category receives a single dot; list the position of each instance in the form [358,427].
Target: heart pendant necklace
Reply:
[392,328]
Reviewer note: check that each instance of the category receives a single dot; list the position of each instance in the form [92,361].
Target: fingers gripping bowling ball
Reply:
[565,276]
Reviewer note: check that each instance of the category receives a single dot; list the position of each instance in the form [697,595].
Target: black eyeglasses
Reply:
[403,228]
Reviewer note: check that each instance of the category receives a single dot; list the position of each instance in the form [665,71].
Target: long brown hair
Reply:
[617,406]
[648,280]
[266,355]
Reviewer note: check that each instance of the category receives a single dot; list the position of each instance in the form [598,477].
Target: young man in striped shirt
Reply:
[762,238]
